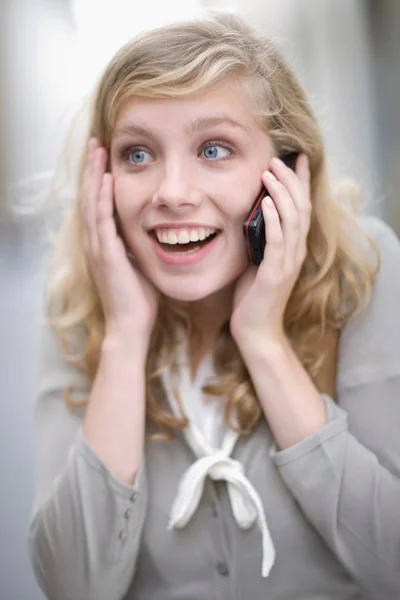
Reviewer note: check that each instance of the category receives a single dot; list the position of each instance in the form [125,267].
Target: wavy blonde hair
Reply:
[336,278]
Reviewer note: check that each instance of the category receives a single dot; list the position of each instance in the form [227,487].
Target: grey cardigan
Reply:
[332,501]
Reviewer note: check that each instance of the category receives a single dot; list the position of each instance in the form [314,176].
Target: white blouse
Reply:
[212,442]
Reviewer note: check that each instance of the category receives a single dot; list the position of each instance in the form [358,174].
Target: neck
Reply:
[209,314]
[207,317]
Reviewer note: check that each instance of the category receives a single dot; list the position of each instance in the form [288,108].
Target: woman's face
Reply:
[188,170]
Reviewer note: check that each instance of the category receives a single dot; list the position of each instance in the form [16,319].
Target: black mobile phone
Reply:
[254,225]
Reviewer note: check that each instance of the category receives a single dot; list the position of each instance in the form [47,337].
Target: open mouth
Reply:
[184,241]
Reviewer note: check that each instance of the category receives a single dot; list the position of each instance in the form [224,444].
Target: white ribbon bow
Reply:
[217,464]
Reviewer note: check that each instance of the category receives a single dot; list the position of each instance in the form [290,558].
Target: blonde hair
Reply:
[336,278]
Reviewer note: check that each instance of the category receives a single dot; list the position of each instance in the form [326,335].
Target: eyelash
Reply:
[218,143]
[128,151]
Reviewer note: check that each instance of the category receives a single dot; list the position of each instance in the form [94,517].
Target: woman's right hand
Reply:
[129,300]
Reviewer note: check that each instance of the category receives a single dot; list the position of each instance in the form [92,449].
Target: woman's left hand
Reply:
[262,293]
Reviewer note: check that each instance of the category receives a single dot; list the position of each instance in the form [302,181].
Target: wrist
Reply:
[126,346]
[267,350]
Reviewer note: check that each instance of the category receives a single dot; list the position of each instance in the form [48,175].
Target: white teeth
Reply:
[184,236]
[172,237]
[194,236]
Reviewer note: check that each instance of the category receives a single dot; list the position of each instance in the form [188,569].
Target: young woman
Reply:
[209,428]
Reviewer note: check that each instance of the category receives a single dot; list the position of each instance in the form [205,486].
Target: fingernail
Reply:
[270,175]
[268,201]
[277,162]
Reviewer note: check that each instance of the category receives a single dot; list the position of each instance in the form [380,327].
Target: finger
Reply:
[85,192]
[87,173]
[289,180]
[94,184]
[105,222]
[93,144]
[275,247]
[303,173]
[286,208]
[297,183]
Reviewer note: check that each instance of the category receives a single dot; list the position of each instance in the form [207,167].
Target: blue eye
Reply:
[137,156]
[215,151]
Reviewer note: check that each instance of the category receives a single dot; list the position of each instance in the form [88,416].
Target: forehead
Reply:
[225,105]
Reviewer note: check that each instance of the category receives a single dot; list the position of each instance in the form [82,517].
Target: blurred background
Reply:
[345,52]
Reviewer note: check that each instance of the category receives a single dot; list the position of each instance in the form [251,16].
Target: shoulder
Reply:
[57,422]
[386,286]
[370,342]
[56,374]
[380,232]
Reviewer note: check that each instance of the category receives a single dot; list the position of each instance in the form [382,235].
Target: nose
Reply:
[176,190]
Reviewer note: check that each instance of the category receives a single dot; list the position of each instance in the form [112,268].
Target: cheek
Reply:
[237,206]
[244,190]
[126,197]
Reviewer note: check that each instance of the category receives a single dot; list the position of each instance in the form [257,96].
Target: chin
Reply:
[185,293]
[194,290]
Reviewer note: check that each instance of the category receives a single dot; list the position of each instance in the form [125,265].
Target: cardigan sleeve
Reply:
[346,476]
[86,526]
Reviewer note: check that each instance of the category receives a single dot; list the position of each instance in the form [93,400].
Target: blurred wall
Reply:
[31,105]
[40,84]
[2,116]
[384,29]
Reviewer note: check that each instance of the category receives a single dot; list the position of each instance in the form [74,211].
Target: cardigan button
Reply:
[222,569]
[122,535]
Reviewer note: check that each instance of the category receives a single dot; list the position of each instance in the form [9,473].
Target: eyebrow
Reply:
[196,126]
[208,122]
[132,129]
